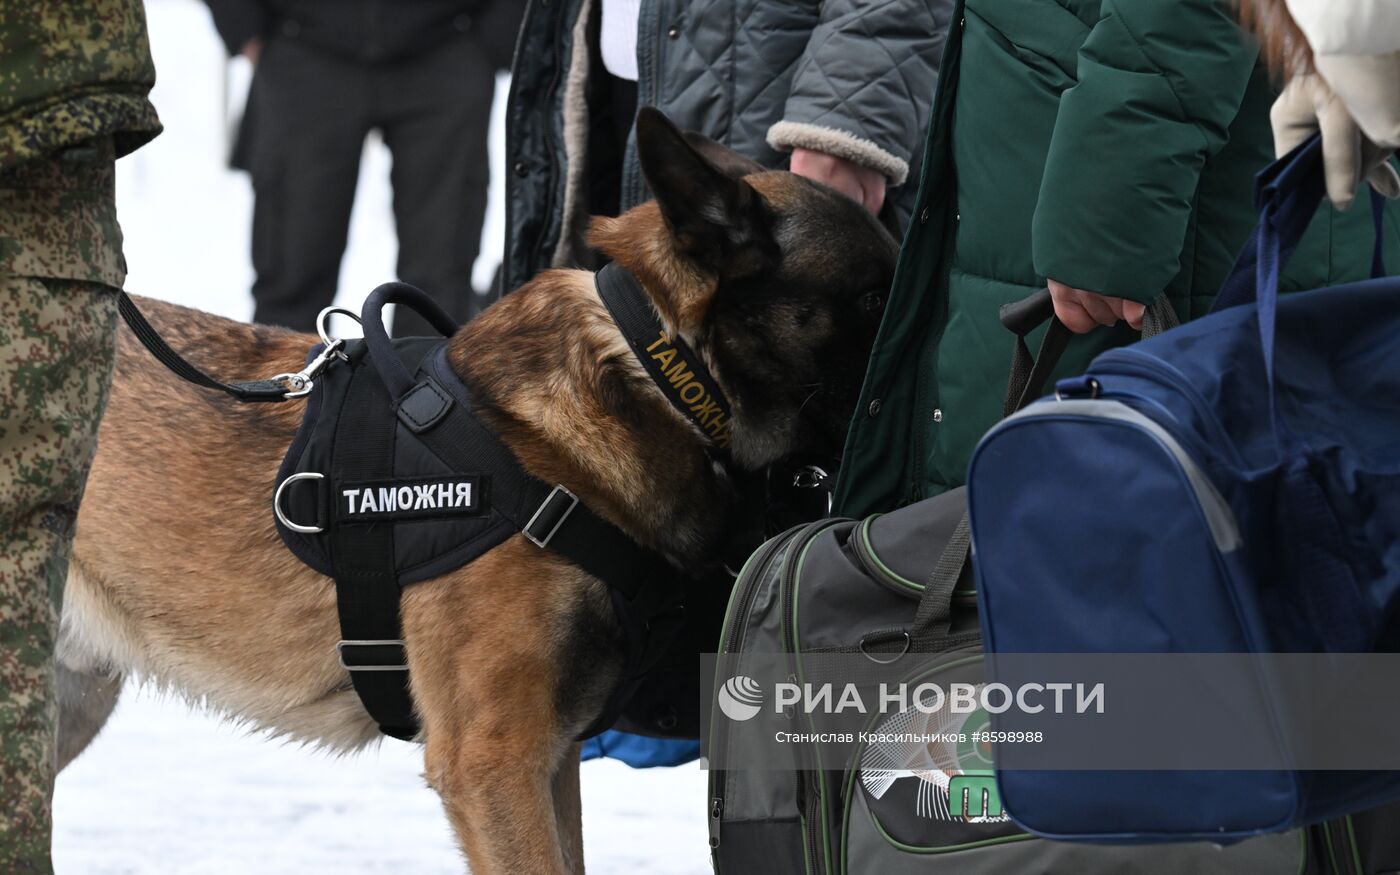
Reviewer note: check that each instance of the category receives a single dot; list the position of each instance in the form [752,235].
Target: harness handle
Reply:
[381,350]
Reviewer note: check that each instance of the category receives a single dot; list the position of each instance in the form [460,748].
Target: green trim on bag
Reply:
[863,532]
[1355,849]
[966,846]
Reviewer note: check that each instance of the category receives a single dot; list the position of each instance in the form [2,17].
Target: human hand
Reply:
[1306,106]
[1083,311]
[861,184]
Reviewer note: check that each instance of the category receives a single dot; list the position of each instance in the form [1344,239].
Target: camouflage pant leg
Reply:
[57,341]
[60,262]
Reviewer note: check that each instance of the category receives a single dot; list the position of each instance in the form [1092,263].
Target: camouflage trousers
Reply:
[60,266]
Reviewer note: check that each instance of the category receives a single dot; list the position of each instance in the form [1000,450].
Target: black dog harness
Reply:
[391,479]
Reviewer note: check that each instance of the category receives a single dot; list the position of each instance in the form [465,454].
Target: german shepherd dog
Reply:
[178,576]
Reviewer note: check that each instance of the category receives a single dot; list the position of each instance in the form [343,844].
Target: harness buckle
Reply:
[550,514]
[371,642]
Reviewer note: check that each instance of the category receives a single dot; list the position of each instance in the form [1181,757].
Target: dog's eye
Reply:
[872,302]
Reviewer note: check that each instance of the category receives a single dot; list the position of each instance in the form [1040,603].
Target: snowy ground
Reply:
[168,790]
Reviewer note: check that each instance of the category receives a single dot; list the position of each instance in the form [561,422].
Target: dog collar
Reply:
[676,369]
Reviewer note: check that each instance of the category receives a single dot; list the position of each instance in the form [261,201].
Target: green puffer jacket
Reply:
[1108,144]
[71,71]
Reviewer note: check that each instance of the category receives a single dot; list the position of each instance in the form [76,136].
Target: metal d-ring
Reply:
[893,658]
[277,503]
[323,326]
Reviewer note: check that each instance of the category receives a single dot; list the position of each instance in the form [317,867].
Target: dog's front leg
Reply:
[484,670]
[568,809]
[496,778]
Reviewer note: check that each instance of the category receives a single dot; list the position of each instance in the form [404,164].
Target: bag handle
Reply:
[1029,375]
[1027,380]
[935,611]
[381,349]
[1287,194]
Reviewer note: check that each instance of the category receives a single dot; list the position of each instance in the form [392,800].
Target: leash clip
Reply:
[302,382]
[323,326]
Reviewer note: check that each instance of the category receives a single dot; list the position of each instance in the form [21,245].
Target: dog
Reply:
[179,578]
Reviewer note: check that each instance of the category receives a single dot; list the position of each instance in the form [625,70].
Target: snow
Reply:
[167,789]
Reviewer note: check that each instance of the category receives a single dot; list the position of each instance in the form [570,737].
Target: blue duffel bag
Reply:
[1230,486]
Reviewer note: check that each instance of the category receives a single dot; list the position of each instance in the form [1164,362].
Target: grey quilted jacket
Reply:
[853,78]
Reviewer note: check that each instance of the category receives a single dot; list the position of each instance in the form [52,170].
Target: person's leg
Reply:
[58,340]
[435,112]
[612,107]
[60,265]
[309,125]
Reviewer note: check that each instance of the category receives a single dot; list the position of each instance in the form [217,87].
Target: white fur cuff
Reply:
[786,136]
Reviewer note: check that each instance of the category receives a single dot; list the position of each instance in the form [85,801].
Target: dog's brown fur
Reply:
[178,575]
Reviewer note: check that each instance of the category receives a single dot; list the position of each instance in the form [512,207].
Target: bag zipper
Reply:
[812,814]
[716,815]
[789,577]
[808,779]
[735,624]
[744,589]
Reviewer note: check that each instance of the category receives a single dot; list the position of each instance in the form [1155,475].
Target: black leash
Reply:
[675,368]
[275,389]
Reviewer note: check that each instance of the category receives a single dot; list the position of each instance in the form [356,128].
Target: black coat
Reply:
[370,31]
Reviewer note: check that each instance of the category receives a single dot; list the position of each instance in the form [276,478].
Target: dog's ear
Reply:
[724,159]
[718,220]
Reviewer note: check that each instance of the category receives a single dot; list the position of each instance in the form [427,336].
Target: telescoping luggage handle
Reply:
[1287,194]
